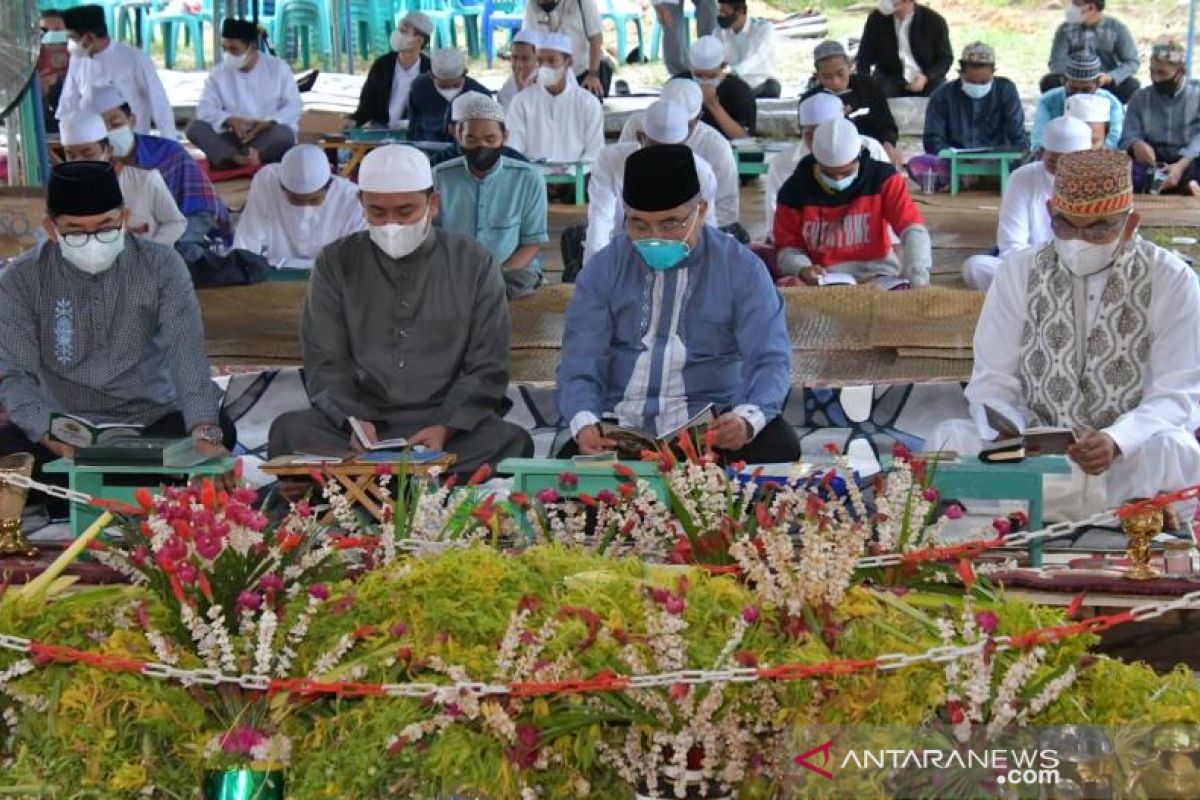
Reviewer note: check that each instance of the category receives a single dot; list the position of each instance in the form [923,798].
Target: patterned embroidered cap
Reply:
[978,54]
[1083,65]
[1093,183]
[1169,50]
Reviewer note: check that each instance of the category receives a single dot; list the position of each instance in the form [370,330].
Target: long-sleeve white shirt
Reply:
[129,70]
[150,203]
[1171,386]
[784,164]
[1024,220]
[751,53]
[266,92]
[708,143]
[606,208]
[566,127]
[290,236]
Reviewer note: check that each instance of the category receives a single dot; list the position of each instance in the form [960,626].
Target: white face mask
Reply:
[449,94]
[1083,258]
[235,62]
[977,91]
[713,82]
[121,140]
[402,41]
[94,256]
[76,50]
[886,7]
[398,240]
[1074,14]
[549,76]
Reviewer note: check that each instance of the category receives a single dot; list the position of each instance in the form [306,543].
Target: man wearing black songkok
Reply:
[672,316]
[103,325]
[249,111]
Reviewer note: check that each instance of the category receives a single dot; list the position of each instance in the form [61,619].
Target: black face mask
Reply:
[482,159]
[727,22]
[548,5]
[1167,88]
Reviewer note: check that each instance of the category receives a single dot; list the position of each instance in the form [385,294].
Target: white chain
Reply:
[21,482]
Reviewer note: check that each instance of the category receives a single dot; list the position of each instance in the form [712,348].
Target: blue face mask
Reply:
[837,185]
[661,255]
[977,91]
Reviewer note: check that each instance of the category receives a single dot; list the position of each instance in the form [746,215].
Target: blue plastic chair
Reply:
[310,20]
[500,15]
[370,27]
[191,24]
[623,12]
[689,17]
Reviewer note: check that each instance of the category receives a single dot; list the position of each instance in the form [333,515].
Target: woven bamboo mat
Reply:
[538,320]
[858,318]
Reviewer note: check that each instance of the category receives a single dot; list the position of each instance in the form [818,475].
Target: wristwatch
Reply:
[212,434]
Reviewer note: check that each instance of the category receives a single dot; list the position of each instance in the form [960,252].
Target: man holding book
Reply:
[1108,344]
[103,325]
[674,316]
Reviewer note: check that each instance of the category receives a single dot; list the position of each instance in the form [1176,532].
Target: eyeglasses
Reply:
[1095,233]
[80,238]
[640,229]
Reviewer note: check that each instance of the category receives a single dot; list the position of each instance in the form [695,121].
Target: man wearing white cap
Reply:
[496,200]
[249,111]
[664,123]
[405,329]
[384,97]
[579,21]
[705,141]
[818,108]
[834,215]
[431,95]
[523,62]
[729,104]
[1024,220]
[1093,110]
[295,208]
[556,119]
[152,210]
[1082,79]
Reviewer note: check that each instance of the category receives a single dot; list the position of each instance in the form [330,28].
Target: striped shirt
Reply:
[126,345]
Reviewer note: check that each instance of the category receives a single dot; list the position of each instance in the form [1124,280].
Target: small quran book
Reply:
[369,443]
[632,441]
[82,432]
[1014,445]
[138,451]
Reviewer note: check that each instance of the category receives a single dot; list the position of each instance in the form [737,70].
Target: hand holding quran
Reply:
[1013,445]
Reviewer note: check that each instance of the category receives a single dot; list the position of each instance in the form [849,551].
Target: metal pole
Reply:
[335,10]
[37,110]
[1191,36]
[350,31]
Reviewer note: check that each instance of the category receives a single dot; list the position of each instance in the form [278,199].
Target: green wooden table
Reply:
[984,163]
[970,478]
[751,159]
[531,475]
[92,480]
[571,173]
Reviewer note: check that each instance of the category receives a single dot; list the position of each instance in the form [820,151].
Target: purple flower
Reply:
[568,479]
[954,511]
[241,741]
[606,497]
[547,496]
[138,556]
[930,495]
[187,572]
[208,547]
[750,614]
[320,591]
[987,621]
[271,583]
[674,605]
[248,601]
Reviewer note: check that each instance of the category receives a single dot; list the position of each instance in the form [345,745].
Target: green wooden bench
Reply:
[984,163]
[970,478]
[92,480]
[751,159]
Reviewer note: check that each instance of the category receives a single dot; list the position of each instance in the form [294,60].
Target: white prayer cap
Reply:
[1089,108]
[421,22]
[684,92]
[836,143]
[448,63]
[304,169]
[106,98]
[476,106]
[665,122]
[82,127]
[395,168]
[1066,135]
[707,53]
[528,36]
[821,107]
[558,42]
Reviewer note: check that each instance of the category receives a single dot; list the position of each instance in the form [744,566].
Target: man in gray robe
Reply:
[405,329]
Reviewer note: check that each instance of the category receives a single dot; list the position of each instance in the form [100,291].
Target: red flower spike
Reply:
[710,439]
[177,589]
[519,499]
[205,586]
[833,449]
[586,499]
[568,479]
[745,658]
[208,494]
[144,499]
[364,631]
[681,585]
[687,448]
[1075,607]
[238,470]
[317,477]
[624,471]
[679,691]
[481,475]
[627,490]
[967,573]
[383,469]
[93,544]
[763,516]
[1003,527]
[899,451]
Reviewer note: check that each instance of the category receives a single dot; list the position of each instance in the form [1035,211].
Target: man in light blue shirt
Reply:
[673,316]
[497,200]
[1083,77]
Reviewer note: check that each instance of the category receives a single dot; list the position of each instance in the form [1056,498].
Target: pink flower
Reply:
[750,614]
[398,630]
[1003,527]
[527,638]
[242,740]
[606,497]
[547,496]
[674,605]
[303,510]
[987,621]
[832,448]
[248,601]
[899,451]
[187,572]
[209,547]
[930,495]
[954,511]
[568,479]
[319,591]
[138,556]
[271,583]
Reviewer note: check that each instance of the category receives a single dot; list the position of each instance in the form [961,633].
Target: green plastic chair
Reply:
[191,24]
[437,10]
[310,20]
[623,12]
[370,27]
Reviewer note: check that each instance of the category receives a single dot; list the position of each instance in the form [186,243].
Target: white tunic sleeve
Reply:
[253,228]
[211,106]
[168,218]
[603,202]
[291,106]
[156,96]
[994,380]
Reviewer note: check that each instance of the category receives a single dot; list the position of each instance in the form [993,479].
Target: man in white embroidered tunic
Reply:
[1098,331]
